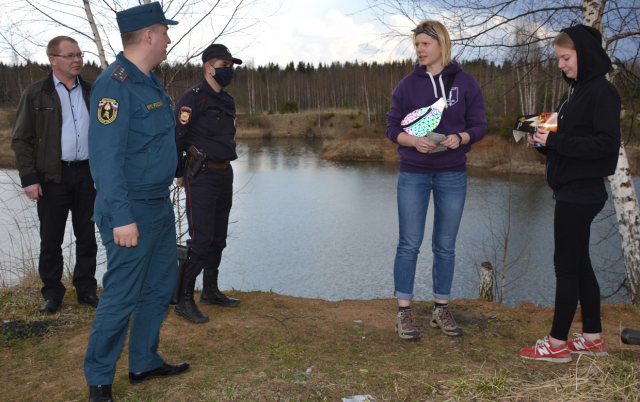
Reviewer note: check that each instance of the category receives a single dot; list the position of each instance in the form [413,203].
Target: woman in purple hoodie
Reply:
[423,171]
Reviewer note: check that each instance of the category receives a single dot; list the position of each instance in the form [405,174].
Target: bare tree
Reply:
[203,22]
[505,262]
[484,29]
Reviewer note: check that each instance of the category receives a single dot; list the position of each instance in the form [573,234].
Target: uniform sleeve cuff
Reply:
[29,180]
[122,218]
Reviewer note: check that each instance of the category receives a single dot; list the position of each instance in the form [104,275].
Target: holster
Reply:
[196,162]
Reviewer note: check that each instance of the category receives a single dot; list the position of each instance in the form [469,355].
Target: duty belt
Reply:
[214,165]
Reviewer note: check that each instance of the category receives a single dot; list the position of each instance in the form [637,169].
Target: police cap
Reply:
[218,51]
[143,16]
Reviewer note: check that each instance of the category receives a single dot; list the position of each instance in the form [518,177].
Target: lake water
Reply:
[303,226]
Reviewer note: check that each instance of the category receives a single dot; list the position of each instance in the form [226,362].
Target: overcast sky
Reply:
[321,31]
[311,31]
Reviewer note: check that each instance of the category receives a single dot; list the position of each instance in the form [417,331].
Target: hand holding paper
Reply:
[528,124]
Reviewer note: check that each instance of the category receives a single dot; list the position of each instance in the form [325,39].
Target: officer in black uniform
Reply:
[206,125]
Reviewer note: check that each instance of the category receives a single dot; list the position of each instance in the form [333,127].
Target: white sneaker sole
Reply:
[549,359]
[586,352]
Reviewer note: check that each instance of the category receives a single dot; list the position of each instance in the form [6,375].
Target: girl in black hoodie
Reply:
[582,151]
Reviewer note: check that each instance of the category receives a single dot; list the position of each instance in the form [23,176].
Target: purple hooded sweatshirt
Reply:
[464,113]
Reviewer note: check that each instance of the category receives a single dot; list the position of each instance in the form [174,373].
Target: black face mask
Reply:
[223,76]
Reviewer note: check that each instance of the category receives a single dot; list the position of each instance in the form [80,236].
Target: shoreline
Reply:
[348,136]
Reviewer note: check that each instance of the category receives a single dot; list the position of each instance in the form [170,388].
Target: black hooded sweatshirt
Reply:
[585,148]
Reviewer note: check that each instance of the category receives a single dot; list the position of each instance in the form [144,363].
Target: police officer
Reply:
[207,123]
[132,156]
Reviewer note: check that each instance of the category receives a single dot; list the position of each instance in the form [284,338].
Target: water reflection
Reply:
[315,228]
[308,227]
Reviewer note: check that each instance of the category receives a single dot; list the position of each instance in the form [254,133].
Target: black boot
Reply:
[210,292]
[187,307]
[100,393]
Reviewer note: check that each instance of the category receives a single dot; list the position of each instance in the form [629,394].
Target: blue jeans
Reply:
[449,193]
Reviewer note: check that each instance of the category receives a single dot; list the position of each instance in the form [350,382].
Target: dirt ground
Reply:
[281,348]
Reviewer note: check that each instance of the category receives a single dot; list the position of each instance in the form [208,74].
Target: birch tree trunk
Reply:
[96,35]
[622,188]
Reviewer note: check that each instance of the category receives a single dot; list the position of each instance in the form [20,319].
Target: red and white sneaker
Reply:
[543,351]
[585,347]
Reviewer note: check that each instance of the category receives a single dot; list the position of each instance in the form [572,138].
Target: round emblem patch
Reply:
[107,110]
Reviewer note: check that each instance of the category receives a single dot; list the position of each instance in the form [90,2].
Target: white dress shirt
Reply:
[75,122]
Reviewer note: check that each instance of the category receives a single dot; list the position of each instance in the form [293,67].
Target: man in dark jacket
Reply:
[50,144]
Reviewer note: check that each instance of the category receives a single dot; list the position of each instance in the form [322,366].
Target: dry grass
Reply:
[310,123]
[500,154]
[280,348]
[612,378]
[365,143]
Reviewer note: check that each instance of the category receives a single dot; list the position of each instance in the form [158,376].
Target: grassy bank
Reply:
[6,122]
[496,153]
[324,124]
[280,348]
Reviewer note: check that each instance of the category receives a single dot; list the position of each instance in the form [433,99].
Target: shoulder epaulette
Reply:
[119,74]
[196,89]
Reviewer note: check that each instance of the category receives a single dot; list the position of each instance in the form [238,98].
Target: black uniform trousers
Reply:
[75,193]
[208,199]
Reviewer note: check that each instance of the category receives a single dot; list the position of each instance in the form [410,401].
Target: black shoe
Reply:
[211,294]
[164,371]
[91,300]
[100,393]
[187,307]
[50,306]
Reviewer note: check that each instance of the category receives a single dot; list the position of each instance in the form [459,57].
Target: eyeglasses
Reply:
[70,56]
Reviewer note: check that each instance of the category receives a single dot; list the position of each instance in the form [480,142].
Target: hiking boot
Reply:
[585,347]
[211,294]
[441,317]
[405,326]
[187,307]
[544,351]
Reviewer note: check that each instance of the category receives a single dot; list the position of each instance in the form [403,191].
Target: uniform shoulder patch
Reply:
[107,110]
[119,74]
[185,114]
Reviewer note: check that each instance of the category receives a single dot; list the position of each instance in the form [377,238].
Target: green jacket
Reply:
[37,132]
